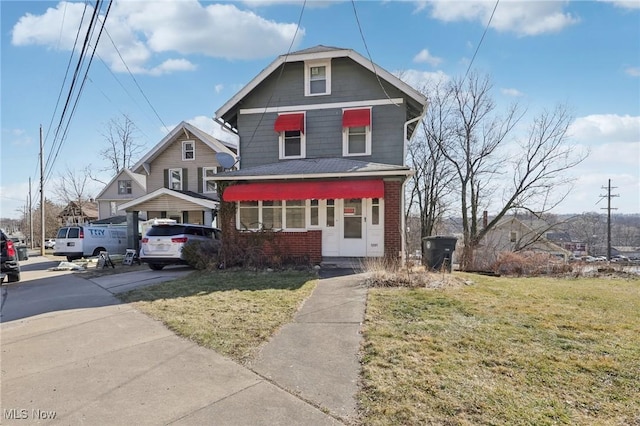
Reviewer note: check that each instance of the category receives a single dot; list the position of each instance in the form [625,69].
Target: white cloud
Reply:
[425,57]
[522,18]
[511,92]
[142,30]
[421,79]
[606,128]
[633,71]
[171,65]
[218,88]
[625,4]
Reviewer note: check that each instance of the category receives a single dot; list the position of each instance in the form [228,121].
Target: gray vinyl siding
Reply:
[323,128]
[171,158]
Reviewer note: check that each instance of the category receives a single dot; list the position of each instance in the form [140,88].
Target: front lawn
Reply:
[516,351]
[230,312]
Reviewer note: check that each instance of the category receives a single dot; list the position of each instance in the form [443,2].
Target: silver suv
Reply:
[162,244]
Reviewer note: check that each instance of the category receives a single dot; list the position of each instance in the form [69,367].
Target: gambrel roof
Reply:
[416,101]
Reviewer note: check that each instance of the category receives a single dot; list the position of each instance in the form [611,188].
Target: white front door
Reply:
[354,236]
[352,227]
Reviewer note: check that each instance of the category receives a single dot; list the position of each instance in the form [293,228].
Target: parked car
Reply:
[50,243]
[9,258]
[162,244]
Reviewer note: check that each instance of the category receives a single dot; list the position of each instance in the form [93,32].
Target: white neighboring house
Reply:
[124,187]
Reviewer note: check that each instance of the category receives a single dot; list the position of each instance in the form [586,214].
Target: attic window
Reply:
[188,150]
[124,187]
[317,78]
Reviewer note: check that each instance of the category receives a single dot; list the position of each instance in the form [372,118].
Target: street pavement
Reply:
[73,354]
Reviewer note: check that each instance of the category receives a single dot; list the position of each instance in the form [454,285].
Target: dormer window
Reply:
[317,78]
[188,150]
[291,135]
[356,132]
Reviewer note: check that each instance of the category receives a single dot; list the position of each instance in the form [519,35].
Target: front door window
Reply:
[352,218]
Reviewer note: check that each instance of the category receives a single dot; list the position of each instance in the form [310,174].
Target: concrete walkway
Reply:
[109,364]
[316,356]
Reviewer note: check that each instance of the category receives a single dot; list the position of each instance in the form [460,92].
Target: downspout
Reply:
[403,225]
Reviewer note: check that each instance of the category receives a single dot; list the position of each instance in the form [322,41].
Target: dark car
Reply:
[10,264]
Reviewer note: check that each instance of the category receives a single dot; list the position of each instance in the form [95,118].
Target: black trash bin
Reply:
[437,252]
[23,252]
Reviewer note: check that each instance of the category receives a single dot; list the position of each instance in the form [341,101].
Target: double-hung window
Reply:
[290,128]
[356,132]
[208,184]
[317,78]
[175,179]
[124,187]
[188,150]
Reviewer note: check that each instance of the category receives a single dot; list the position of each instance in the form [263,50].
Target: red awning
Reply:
[356,117]
[289,122]
[303,190]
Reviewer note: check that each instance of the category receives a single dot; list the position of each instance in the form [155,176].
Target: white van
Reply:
[77,241]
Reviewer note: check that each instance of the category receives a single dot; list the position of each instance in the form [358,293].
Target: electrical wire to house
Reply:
[486,28]
[366,47]
[284,63]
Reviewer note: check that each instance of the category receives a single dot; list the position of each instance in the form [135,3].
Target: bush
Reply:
[202,254]
[528,264]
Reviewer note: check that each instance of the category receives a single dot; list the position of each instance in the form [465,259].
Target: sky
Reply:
[163,62]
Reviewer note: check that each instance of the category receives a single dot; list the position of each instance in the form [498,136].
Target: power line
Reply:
[84,79]
[373,65]
[481,39]
[50,159]
[608,209]
[134,80]
[275,86]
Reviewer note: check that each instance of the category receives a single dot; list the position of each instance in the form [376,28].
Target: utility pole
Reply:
[30,217]
[41,195]
[609,208]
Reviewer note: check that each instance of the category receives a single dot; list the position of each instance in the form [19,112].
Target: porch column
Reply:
[208,217]
[133,242]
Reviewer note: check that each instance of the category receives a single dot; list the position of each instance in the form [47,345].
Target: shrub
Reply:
[202,254]
[528,263]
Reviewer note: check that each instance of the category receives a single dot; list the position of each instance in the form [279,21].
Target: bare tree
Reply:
[122,148]
[431,183]
[72,190]
[478,153]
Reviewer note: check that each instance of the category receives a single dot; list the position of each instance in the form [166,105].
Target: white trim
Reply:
[136,177]
[407,173]
[327,54]
[207,139]
[326,63]
[346,131]
[170,183]
[343,105]
[205,179]
[184,150]
[166,191]
[303,141]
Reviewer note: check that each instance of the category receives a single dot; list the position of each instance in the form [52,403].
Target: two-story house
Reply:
[173,180]
[323,134]
[124,187]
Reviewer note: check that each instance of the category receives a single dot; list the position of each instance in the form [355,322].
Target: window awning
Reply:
[303,190]
[356,117]
[289,122]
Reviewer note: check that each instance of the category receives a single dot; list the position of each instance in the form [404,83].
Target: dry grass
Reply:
[230,312]
[517,351]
